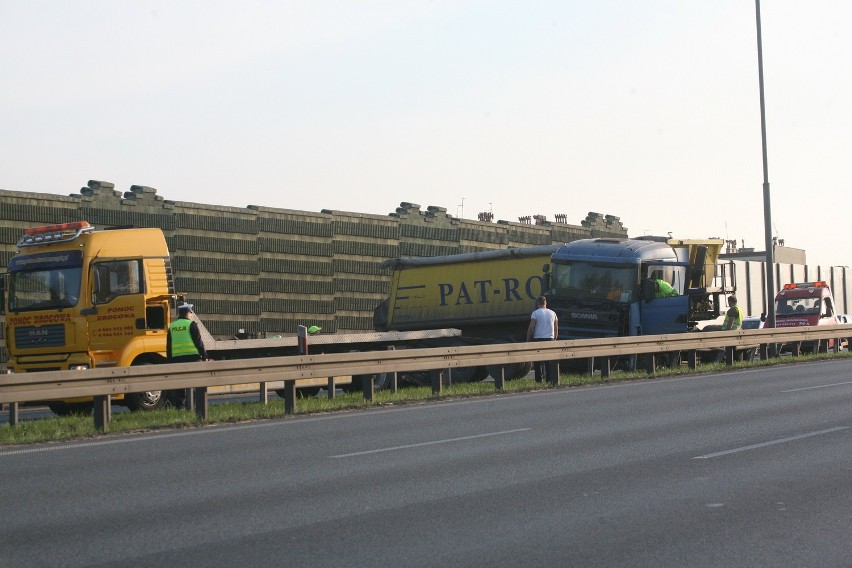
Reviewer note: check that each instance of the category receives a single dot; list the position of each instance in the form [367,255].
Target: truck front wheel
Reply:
[148,400]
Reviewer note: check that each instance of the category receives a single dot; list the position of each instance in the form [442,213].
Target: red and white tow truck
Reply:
[806,304]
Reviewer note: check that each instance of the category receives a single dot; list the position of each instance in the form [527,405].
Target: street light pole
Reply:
[767,210]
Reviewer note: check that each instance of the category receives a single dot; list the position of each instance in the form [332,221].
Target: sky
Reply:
[647,110]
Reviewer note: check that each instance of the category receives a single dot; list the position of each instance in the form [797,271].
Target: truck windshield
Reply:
[44,281]
[582,280]
[798,306]
[44,289]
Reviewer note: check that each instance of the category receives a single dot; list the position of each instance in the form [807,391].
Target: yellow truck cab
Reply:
[77,298]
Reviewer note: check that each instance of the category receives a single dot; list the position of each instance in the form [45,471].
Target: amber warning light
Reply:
[54,233]
[819,284]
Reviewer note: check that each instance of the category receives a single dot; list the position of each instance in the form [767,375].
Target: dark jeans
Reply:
[545,370]
[178,397]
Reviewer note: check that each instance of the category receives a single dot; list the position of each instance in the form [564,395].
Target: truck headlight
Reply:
[78,367]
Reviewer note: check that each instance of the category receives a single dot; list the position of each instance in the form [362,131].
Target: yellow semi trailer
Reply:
[488,295]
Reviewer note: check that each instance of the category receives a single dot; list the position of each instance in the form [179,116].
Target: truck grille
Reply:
[32,337]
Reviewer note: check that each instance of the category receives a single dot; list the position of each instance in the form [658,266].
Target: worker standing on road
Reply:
[734,315]
[184,345]
[544,326]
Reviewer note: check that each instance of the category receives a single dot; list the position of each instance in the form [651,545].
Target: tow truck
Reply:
[806,304]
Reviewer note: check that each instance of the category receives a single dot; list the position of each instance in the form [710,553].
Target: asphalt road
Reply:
[748,468]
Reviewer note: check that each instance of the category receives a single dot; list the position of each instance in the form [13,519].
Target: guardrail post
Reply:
[264,393]
[500,382]
[606,367]
[290,396]
[797,349]
[652,364]
[101,411]
[189,399]
[763,351]
[553,372]
[437,380]
[394,378]
[368,382]
[331,390]
[14,416]
[590,366]
[201,403]
[692,358]
[836,348]
[730,355]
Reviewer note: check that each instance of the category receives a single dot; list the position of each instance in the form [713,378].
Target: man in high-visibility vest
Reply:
[734,316]
[184,345]
[663,289]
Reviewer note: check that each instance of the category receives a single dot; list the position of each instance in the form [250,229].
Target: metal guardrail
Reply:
[276,372]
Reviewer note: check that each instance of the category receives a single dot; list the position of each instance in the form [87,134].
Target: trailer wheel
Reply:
[511,371]
[65,409]
[576,366]
[417,378]
[469,374]
[303,392]
[381,381]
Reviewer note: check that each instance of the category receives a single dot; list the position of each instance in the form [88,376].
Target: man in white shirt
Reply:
[544,326]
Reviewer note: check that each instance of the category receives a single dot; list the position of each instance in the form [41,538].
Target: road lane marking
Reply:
[819,387]
[770,443]
[432,443]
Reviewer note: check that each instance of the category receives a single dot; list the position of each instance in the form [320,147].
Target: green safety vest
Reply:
[665,290]
[182,343]
[735,322]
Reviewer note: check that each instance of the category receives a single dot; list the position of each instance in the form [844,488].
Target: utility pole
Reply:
[767,210]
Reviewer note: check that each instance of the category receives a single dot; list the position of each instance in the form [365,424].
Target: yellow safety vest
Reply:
[182,343]
[735,322]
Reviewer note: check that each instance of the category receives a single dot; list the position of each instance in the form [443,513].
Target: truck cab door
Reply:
[118,305]
[664,315]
